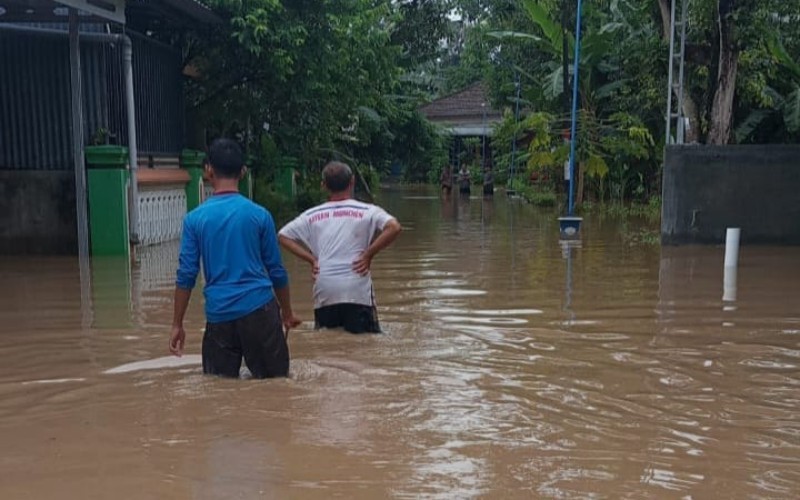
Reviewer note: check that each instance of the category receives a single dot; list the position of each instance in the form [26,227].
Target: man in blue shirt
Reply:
[248,307]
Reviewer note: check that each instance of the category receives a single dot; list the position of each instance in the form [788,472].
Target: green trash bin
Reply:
[107,179]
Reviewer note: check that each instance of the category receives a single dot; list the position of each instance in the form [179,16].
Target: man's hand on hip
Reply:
[362,264]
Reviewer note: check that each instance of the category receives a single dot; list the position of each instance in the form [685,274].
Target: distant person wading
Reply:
[446,181]
[488,183]
[464,181]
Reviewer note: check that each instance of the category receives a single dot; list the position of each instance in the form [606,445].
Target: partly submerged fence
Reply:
[165,197]
[161,212]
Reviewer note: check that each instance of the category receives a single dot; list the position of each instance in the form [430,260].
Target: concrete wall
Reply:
[709,188]
[37,212]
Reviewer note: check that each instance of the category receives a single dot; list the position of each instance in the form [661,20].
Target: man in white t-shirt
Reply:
[339,239]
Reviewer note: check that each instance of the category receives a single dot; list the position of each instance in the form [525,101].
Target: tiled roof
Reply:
[464,103]
[194,9]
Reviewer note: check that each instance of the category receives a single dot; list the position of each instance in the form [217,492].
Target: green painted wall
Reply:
[193,188]
[108,211]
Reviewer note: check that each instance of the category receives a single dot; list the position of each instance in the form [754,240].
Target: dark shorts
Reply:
[258,337]
[355,318]
[464,190]
[488,189]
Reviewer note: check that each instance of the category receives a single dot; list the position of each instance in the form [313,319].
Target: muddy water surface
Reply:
[511,368]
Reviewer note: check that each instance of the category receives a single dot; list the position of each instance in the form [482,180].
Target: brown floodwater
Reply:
[511,368]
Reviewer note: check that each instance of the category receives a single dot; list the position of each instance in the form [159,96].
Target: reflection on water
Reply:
[512,366]
[157,364]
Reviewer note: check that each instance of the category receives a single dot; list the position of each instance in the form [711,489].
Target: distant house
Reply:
[465,114]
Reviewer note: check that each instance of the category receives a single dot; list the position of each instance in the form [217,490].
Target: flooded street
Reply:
[511,368]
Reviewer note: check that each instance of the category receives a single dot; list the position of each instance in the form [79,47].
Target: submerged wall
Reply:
[707,189]
[37,212]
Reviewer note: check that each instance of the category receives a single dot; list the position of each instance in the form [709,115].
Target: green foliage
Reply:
[505,134]
[282,208]
[315,78]
[650,212]
[552,30]
[778,113]
[615,142]
[420,147]
[309,191]
[623,72]
[619,148]
[318,79]
[641,237]
[538,196]
[421,27]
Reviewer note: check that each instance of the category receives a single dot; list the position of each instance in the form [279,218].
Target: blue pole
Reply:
[573,130]
[514,139]
[483,146]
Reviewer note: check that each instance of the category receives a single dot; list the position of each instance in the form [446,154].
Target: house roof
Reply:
[466,103]
[50,11]
[195,10]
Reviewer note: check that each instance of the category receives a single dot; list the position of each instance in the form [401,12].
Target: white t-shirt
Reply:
[337,233]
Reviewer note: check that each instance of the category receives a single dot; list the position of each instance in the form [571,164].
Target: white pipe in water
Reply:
[731,264]
[729,285]
[732,246]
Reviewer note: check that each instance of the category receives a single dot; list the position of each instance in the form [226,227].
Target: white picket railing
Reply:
[156,271]
[161,213]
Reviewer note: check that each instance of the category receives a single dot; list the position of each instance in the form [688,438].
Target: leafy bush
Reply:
[538,196]
[280,206]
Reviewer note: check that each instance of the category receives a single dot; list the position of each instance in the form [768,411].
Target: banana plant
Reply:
[601,138]
[785,105]
[596,45]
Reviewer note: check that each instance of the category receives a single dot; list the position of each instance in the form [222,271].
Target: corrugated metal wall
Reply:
[34,106]
[158,94]
[158,88]
[35,99]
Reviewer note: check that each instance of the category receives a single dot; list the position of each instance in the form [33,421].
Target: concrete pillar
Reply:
[285,183]
[192,162]
[108,200]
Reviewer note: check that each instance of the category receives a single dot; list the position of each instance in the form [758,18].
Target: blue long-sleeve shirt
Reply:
[235,239]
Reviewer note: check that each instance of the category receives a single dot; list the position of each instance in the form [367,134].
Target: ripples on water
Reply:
[510,368]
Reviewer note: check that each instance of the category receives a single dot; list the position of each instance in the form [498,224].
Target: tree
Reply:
[778,116]
[727,68]
[605,126]
[420,30]
[721,31]
[730,67]
[318,78]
